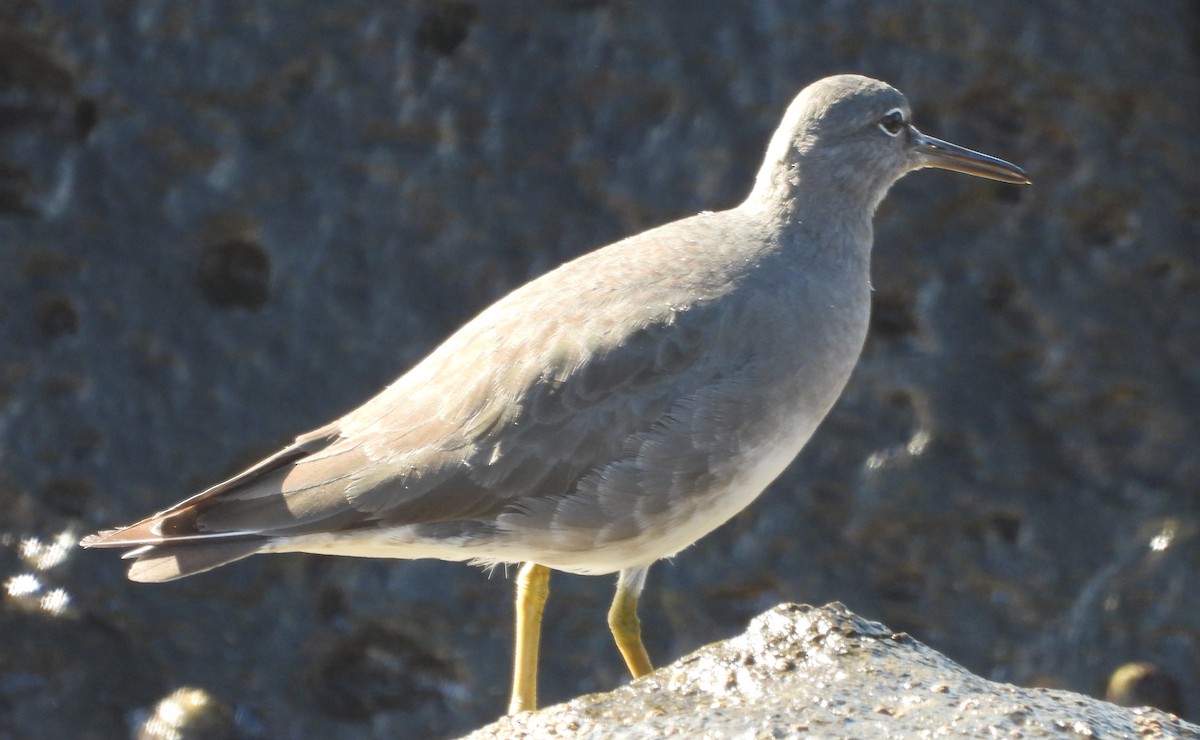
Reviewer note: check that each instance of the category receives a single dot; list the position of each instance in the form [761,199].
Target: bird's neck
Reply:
[816,224]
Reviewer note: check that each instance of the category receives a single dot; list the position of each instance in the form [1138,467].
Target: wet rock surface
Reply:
[223,224]
[802,671]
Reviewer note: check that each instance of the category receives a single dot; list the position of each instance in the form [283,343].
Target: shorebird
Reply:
[609,413]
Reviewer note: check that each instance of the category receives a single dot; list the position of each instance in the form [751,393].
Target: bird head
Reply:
[852,136]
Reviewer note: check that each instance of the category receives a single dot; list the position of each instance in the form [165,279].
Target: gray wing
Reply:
[562,380]
[468,454]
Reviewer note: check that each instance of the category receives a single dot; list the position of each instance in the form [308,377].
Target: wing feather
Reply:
[564,386]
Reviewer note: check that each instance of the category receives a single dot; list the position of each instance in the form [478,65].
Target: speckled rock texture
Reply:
[823,672]
[225,223]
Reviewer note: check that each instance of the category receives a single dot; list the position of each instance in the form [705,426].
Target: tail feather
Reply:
[174,542]
[168,562]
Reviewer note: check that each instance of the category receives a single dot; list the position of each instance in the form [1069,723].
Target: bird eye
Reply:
[892,122]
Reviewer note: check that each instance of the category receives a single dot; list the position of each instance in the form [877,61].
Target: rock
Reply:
[803,671]
[189,714]
[1144,684]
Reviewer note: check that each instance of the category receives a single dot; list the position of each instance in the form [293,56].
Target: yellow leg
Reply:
[623,621]
[533,586]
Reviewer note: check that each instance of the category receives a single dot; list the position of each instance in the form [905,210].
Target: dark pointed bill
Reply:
[947,156]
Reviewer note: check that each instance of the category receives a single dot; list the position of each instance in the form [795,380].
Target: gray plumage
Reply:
[616,409]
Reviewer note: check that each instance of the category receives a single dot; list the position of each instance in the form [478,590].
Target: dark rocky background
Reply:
[224,223]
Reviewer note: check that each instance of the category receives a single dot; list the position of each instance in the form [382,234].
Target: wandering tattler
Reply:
[609,413]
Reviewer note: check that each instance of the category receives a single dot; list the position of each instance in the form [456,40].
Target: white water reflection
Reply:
[28,590]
